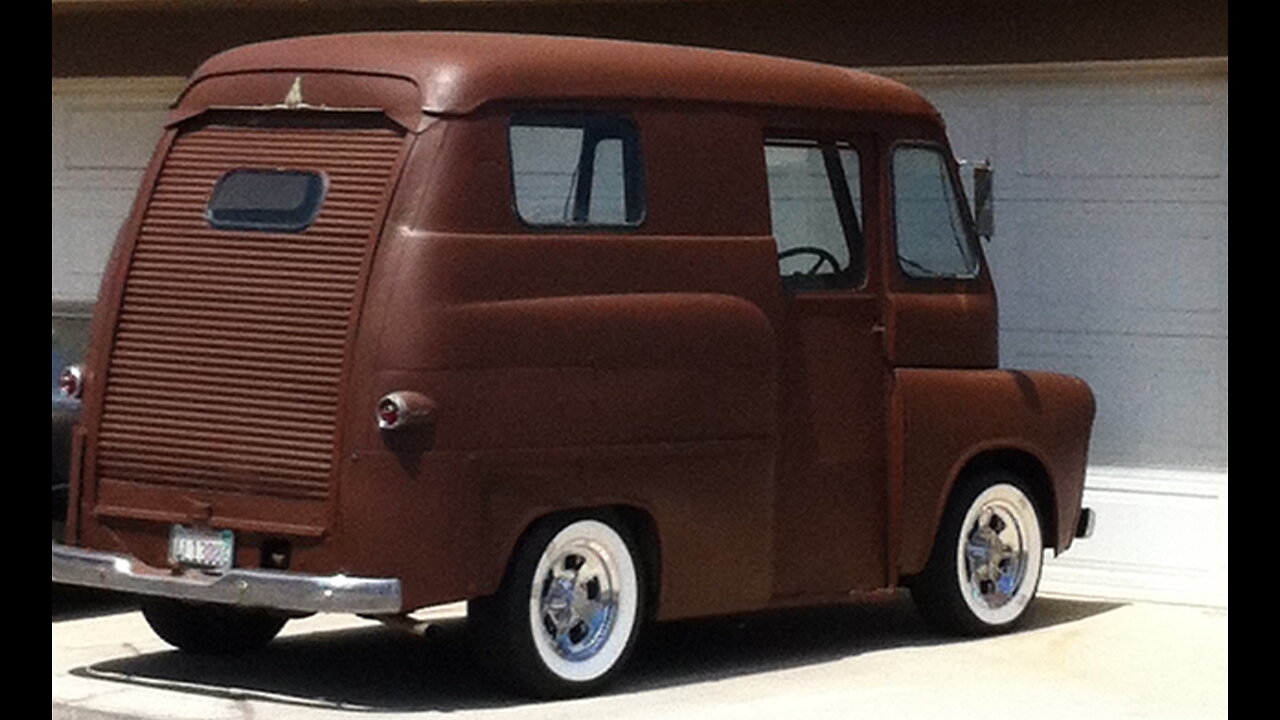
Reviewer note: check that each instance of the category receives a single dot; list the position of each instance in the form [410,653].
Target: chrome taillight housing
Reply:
[401,409]
[71,382]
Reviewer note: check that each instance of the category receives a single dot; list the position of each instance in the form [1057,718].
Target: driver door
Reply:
[832,478]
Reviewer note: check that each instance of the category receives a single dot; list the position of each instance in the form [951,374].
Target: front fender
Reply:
[942,420]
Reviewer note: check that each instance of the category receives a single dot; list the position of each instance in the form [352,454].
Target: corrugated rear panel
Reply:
[229,345]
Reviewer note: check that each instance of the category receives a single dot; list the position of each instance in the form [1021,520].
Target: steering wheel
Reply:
[823,257]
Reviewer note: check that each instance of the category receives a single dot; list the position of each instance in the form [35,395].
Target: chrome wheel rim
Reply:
[584,598]
[577,600]
[995,555]
[999,554]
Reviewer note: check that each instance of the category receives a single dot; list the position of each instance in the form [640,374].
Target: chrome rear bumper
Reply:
[277,589]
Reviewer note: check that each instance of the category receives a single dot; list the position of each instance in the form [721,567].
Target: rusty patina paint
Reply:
[785,448]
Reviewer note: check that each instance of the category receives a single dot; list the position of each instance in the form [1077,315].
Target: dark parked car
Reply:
[70,327]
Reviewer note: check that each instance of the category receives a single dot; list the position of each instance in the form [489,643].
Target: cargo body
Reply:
[405,387]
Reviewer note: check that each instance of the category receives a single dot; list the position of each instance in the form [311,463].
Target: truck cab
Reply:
[587,333]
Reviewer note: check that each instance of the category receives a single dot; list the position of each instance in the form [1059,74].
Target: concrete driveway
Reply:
[1077,659]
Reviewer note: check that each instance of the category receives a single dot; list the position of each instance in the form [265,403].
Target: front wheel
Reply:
[210,629]
[567,615]
[985,566]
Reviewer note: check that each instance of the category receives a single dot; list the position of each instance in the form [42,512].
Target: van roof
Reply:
[456,73]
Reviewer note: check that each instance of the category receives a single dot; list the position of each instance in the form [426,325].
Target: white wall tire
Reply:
[569,611]
[985,566]
[583,601]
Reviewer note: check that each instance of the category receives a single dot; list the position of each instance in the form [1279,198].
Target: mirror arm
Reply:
[983,201]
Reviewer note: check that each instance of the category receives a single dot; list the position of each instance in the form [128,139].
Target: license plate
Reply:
[206,549]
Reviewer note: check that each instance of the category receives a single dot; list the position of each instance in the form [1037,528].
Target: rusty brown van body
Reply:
[764,447]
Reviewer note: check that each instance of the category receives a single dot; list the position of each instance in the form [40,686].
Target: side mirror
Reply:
[983,203]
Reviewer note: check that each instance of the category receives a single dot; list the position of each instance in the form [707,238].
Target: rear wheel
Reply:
[210,629]
[985,566]
[568,613]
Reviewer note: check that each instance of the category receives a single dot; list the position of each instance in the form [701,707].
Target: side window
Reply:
[933,239]
[815,201]
[571,170]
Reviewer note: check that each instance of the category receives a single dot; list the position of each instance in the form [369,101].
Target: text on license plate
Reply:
[212,549]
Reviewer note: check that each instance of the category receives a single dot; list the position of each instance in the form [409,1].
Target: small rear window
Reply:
[267,200]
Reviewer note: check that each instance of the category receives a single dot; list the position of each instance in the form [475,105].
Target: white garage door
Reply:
[104,131]
[1110,259]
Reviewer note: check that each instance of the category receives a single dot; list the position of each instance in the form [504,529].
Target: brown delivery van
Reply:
[586,333]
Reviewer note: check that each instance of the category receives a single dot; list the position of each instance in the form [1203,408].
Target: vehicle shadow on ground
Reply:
[378,669]
[75,603]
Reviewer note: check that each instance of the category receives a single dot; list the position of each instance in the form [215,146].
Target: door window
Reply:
[815,202]
[933,237]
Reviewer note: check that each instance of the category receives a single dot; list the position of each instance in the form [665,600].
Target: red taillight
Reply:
[388,413]
[402,409]
[71,382]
